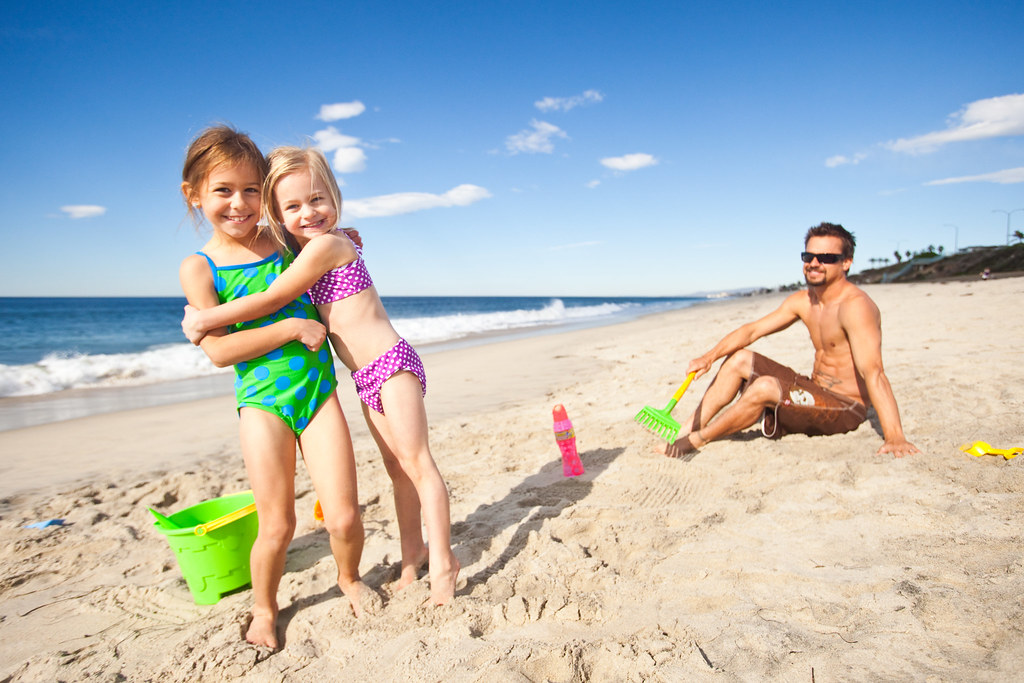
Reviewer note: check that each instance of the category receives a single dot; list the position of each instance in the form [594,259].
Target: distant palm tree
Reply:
[1018,235]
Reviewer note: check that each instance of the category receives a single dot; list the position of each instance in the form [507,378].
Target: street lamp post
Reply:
[1007,221]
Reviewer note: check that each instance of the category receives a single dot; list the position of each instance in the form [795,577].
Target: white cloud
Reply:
[567,103]
[83,210]
[408,202]
[349,160]
[348,156]
[842,160]
[376,144]
[1005,177]
[629,162]
[341,110]
[593,183]
[538,140]
[330,139]
[989,118]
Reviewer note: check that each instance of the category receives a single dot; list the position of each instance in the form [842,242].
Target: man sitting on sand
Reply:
[845,328]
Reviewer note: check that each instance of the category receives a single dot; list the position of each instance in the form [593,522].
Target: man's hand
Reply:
[699,366]
[898,448]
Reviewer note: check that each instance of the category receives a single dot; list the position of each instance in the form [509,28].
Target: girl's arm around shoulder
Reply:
[286,288]
[321,254]
[225,349]
[326,252]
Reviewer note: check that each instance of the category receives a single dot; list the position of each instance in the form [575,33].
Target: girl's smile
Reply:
[230,199]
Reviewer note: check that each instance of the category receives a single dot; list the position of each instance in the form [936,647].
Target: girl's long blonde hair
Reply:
[284,161]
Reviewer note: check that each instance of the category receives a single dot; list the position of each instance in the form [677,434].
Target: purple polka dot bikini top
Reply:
[341,283]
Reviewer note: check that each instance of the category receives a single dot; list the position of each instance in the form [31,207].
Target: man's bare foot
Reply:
[362,598]
[263,630]
[442,580]
[411,570]
[684,448]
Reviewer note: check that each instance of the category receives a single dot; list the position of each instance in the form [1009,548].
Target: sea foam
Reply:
[173,361]
[57,372]
[460,325]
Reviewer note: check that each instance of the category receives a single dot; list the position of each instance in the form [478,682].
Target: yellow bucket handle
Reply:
[202,529]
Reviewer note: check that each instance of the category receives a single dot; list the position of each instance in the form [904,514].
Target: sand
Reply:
[800,559]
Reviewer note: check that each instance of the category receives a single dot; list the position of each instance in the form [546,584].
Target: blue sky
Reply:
[519,148]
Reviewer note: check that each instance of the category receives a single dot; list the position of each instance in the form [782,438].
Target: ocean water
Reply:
[52,345]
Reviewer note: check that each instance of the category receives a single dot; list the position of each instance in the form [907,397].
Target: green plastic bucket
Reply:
[212,541]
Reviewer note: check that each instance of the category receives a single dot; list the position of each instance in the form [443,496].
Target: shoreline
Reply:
[155,416]
[18,412]
[758,559]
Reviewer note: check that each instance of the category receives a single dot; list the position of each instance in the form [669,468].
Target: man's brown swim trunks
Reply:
[806,408]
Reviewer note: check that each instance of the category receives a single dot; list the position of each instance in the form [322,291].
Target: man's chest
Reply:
[826,330]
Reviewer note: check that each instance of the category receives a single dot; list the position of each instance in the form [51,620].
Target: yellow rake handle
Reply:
[679,392]
[682,389]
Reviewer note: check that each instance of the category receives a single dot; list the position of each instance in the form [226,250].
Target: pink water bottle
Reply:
[566,438]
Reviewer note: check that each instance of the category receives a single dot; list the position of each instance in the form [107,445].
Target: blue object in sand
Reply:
[45,523]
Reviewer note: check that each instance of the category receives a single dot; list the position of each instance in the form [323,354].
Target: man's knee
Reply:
[763,390]
[739,363]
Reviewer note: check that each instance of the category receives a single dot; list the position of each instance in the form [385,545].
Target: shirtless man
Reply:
[845,328]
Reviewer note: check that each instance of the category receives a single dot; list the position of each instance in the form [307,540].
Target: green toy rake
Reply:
[661,422]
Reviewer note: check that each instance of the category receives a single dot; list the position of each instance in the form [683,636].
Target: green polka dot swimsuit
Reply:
[291,382]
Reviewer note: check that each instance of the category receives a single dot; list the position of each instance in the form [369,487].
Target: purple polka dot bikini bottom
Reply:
[370,378]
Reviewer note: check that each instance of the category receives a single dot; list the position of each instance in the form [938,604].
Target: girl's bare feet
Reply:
[443,579]
[411,570]
[363,599]
[263,630]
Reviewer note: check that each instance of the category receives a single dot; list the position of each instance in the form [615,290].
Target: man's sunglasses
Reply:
[824,259]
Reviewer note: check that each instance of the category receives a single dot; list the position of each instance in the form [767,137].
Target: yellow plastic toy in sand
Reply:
[980,448]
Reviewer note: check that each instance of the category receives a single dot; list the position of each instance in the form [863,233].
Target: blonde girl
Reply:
[303,205]
[285,385]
